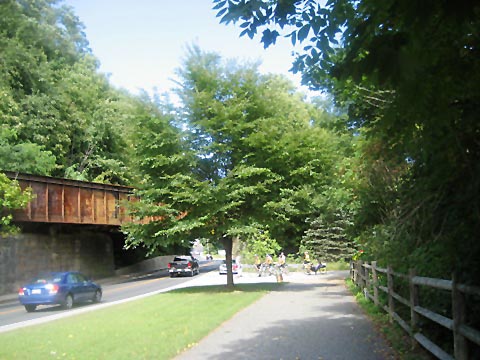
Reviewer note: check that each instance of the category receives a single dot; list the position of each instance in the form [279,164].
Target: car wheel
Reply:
[97,297]
[30,308]
[68,303]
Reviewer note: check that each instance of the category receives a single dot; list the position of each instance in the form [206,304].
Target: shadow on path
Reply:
[311,320]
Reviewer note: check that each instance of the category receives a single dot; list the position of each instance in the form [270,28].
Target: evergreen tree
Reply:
[327,240]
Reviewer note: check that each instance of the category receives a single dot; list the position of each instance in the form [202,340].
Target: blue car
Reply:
[63,288]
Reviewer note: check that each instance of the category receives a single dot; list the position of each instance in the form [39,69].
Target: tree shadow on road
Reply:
[252,287]
[332,326]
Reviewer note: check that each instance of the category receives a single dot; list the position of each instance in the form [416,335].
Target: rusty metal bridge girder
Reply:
[72,202]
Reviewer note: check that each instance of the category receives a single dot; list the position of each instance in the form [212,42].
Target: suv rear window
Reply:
[180,259]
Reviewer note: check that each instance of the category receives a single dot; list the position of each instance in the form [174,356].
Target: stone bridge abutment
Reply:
[49,247]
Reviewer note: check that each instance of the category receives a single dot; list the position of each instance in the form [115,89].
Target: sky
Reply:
[140,43]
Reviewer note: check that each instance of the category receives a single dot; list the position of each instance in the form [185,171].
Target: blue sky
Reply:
[140,43]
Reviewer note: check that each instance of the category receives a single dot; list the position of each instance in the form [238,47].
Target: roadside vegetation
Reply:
[394,334]
[157,327]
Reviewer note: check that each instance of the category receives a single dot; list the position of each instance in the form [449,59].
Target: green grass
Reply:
[157,327]
[340,265]
[393,333]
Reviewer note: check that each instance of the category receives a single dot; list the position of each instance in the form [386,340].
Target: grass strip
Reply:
[157,327]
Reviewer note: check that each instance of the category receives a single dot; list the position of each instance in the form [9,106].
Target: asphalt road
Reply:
[13,315]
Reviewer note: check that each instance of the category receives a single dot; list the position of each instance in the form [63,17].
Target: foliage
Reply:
[408,74]
[260,244]
[327,239]
[12,197]
[249,156]
[393,333]
[163,164]
[55,106]
[24,157]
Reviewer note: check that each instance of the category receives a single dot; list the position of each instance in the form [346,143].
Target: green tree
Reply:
[260,244]
[252,158]
[54,102]
[23,157]
[12,197]
[412,85]
[327,239]
[164,165]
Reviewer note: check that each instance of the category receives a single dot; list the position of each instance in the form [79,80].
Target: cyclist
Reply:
[282,265]
[268,260]
[307,264]
[258,263]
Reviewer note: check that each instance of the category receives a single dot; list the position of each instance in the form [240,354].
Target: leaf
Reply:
[219,5]
[220,13]
[303,32]
[269,37]
[293,37]
[244,32]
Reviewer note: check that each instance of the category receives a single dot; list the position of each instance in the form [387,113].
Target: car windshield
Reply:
[48,278]
[233,261]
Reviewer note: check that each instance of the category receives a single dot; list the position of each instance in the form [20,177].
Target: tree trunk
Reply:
[228,244]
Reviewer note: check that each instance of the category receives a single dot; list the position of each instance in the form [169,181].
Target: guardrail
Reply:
[372,279]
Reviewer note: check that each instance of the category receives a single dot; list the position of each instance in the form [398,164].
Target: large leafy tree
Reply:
[252,158]
[55,105]
[23,157]
[409,74]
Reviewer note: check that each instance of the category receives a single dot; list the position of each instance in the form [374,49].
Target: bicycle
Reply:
[266,269]
[283,268]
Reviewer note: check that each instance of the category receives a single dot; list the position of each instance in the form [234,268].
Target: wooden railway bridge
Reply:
[64,201]
[68,225]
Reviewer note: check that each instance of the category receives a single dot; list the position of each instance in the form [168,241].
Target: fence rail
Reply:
[366,276]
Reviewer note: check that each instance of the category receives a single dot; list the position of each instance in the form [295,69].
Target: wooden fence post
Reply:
[375,283]
[352,271]
[413,303]
[460,344]
[360,275]
[367,280]
[357,272]
[391,303]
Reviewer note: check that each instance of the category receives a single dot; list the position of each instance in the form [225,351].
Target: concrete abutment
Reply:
[50,247]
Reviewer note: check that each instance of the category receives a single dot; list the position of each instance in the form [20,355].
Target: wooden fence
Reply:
[373,279]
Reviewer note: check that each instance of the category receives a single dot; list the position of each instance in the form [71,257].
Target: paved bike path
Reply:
[311,317]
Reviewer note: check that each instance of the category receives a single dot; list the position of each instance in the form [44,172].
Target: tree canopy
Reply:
[12,197]
[408,74]
[253,158]
[55,105]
